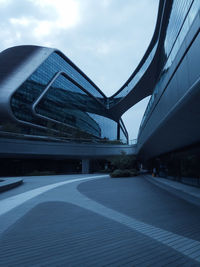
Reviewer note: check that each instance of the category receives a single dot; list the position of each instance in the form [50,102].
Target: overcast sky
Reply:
[106,39]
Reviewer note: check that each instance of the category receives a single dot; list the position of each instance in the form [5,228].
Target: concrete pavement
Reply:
[97,222]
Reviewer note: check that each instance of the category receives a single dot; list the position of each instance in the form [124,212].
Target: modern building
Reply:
[42,90]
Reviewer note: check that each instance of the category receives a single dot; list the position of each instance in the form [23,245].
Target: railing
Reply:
[133,142]
[58,139]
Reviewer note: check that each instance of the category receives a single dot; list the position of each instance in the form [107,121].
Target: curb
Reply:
[10,183]
[175,191]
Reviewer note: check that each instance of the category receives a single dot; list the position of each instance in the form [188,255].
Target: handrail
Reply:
[58,139]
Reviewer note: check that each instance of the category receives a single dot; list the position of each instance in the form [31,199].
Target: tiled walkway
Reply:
[99,222]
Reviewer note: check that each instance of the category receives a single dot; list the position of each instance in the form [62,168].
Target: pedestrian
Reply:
[154,174]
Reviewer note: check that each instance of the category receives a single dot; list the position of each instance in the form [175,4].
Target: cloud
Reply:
[67,12]
[4,2]
[37,20]
[20,21]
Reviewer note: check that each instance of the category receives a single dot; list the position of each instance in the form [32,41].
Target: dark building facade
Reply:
[41,89]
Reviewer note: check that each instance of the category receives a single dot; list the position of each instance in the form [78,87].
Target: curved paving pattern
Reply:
[145,202]
[12,202]
[182,244]
[76,223]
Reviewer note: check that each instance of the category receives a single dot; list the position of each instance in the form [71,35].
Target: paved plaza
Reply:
[93,220]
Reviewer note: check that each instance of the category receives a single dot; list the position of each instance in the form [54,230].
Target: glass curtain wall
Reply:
[72,103]
[181,18]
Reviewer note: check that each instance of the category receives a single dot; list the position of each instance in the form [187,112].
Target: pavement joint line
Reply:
[173,241]
[12,202]
[193,249]
[176,242]
[77,198]
[184,245]
[161,235]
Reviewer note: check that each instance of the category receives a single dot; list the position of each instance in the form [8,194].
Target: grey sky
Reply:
[104,38]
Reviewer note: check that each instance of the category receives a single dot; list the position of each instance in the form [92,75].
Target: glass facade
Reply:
[107,126]
[73,105]
[66,103]
[176,19]
[181,18]
[134,80]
